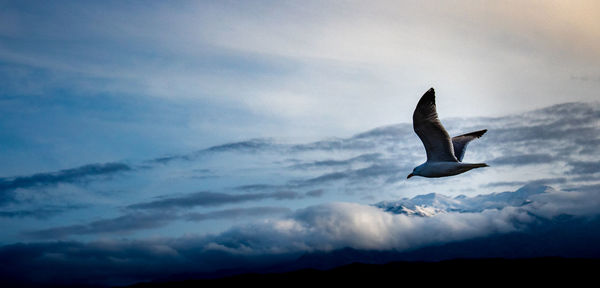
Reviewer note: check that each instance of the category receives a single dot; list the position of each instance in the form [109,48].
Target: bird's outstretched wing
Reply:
[460,142]
[428,127]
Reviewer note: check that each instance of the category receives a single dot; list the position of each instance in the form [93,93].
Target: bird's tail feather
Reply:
[475,134]
[478,165]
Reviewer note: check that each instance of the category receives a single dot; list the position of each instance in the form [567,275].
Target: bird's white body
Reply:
[442,169]
[444,154]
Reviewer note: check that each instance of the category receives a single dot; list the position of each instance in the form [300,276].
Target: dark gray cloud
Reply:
[543,181]
[569,122]
[254,187]
[369,140]
[361,141]
[372,172]
[589,147]
[523,159]
[236,213]
[123,224]
[315,193]
[593,188]
[252,145]
[584,167]
[334,144]
[211,199]
[248,146]
[390,132]
[323,179]
[40,213]
[263,187]
[586,178]
[363,158]
[63,176]
[170,158]
[135,220]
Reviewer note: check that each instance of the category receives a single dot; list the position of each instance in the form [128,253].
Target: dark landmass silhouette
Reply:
[462,272]
[564,249]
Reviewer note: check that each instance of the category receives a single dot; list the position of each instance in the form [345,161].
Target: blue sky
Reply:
[198,123]
[207,73]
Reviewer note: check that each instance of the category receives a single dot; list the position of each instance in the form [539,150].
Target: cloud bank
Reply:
[319,228]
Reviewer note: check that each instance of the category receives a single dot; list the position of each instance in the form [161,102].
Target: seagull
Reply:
[444,155]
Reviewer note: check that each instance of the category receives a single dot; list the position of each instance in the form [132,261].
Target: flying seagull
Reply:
[444,155]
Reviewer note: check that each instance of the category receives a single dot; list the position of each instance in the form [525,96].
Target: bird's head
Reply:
[416,171]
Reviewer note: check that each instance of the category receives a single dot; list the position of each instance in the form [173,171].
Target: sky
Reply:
[182,131]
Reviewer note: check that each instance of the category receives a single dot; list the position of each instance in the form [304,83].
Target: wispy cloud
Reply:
[211,199]
[543,181]
[123,224]
[384,171]
[236,213]
[525,159]
[135,220]
[584,167]
[363,158]
[38,213]
[73,175]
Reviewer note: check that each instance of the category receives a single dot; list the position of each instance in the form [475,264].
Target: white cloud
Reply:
[339,225]
[578,203]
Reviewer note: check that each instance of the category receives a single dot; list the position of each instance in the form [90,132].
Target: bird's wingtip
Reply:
[427,98]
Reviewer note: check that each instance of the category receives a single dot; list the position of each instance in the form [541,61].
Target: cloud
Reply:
[135,221]
[248,146]
[253,187]
[363,158]
[532,138]
[372,172]
[168,159]
[236,213]
[336,225]
[581,202]
[243,146]
[330,145]
[62,176]
[255,145]
[323,228]
[73,175]
[584,167]
[315,193]
[373,157]
[123,224]
[389,135]
[589,145]
[525,159]
[39,213]
[210,199]
[584,188]
[543,181]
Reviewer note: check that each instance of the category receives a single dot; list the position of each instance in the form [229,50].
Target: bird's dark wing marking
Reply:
[428,127]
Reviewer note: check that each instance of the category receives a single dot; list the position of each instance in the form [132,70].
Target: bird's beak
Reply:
[409,175]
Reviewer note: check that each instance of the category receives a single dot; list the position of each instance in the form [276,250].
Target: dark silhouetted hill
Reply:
[463,272]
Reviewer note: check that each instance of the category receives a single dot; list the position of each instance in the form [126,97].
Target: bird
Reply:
[444,154]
